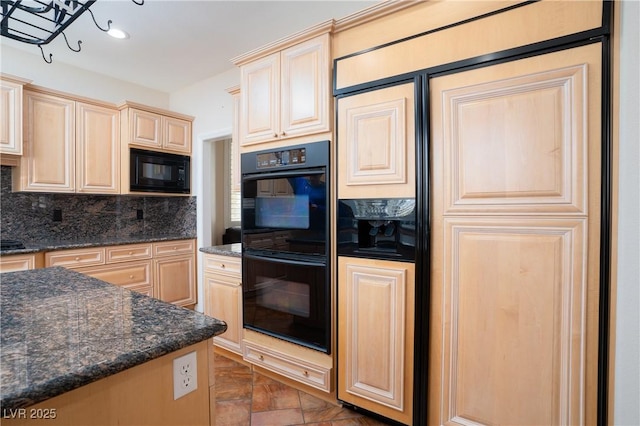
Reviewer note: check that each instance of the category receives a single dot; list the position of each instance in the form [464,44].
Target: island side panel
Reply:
[139,396]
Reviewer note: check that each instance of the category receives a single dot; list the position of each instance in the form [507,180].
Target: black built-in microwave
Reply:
[160,172]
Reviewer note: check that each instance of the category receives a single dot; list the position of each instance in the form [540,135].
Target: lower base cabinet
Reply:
[21,262]
[376,337]
[165,270]
[223,298]
[299,364]
[136,276]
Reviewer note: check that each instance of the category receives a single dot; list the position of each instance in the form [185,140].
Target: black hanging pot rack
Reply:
[38,22]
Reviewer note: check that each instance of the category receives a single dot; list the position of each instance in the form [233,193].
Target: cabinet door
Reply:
[48,163]
[176,135]
[224,301]
[11,118]
[304,88]
[174,279]
[515,241]
[376,144]
[97,149]
[260,104]
[375,343]
[145,128]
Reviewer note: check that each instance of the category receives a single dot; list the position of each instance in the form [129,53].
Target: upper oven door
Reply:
[285,211]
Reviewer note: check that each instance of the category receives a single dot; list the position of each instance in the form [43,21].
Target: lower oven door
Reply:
[287,298]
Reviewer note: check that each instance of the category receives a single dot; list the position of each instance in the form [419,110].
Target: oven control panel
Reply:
[286,157]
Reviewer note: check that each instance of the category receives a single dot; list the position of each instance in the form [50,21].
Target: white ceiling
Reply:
[176,43]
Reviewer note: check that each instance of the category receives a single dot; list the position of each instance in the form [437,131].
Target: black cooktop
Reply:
[10,245]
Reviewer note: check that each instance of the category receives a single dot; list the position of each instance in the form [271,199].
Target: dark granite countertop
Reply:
[62,330]
[50,245]
[234,250]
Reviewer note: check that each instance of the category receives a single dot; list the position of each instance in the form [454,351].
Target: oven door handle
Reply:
[284,261]
[277,175]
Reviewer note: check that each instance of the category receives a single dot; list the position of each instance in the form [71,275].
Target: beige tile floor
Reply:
[242,397]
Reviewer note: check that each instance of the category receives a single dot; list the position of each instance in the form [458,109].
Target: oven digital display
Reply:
[288,157]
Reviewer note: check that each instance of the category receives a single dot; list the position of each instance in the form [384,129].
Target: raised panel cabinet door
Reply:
[48,161]
[225,303]
[260,100]
[176,135]
[305,92]
[11,118]
[375,339]
[174,279]
[376,144]
[145,128]
[97,149]
[515,242]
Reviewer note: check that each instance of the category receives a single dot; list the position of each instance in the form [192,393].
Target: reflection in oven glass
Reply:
[283,296]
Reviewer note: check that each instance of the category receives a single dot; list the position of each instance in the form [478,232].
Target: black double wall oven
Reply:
[285,243]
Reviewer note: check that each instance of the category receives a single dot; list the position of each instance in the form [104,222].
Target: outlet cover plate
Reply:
[185,375]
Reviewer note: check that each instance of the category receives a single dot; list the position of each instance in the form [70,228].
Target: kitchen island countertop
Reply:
[62,330]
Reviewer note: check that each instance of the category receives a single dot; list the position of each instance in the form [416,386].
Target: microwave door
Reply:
[159,172]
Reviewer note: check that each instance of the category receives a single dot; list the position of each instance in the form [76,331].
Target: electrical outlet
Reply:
[185,375]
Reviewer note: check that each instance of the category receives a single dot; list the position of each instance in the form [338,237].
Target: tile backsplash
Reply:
[29,216]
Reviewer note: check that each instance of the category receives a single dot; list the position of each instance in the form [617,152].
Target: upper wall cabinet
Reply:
[156,130]
[286,93]
[97,149]
[69,146]
[11,115]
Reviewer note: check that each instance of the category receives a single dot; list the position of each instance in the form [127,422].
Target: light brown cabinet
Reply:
[21,262]
[97,149]
[376,143]
[156,130]
[69,146]
[134,275]
[376,338]
[223,298]
[286,93]
[165,270]
[515,246]
[174,265]
[11,115]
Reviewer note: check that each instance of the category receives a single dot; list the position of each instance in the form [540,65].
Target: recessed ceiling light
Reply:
[117,33]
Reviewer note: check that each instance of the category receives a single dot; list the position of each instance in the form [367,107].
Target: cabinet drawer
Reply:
[127,274]
[75,258]
[293,368]
[18,262]
[222,264]
[128,252]
[171,248]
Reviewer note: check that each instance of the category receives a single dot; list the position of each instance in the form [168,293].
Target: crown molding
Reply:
[283,43]
[373,12]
